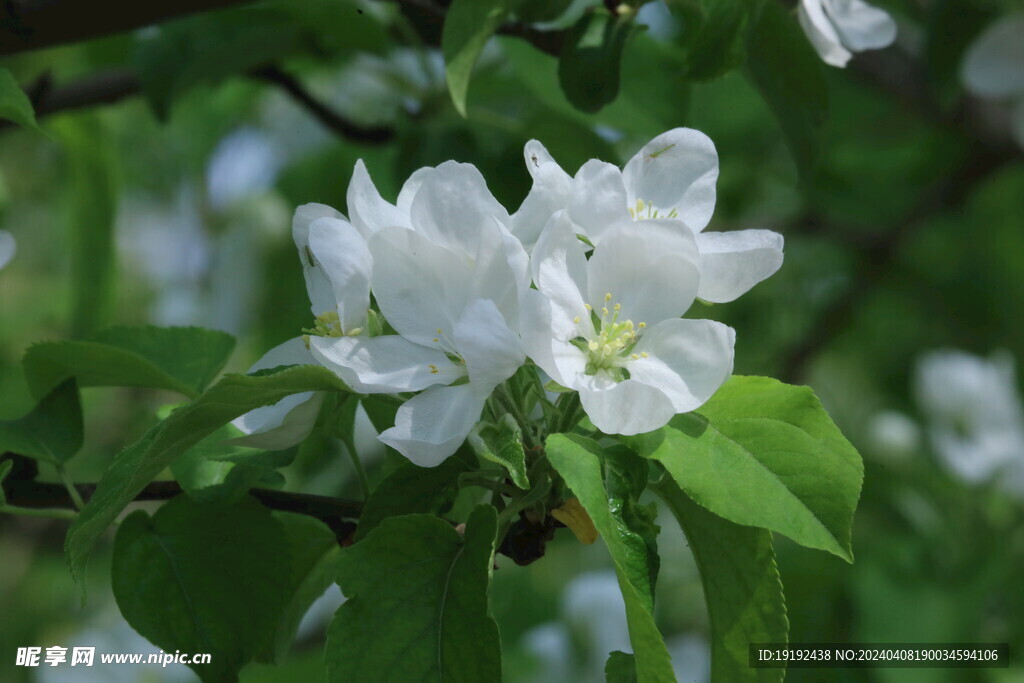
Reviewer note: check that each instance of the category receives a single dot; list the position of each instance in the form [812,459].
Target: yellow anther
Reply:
[634,356]
[576,319]
[617,307]
[639,205]
[436,339]
[593,345]
[439,331]
[604,310]
[354,332]
[588,307]
[433,369]
[642,325]
[607,296]
[643,354]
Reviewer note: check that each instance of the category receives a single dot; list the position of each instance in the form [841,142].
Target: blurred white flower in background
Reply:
[893,434]
[245,163]
[838,28]
[8,247]
[976,422]
[993,67]
[594,620]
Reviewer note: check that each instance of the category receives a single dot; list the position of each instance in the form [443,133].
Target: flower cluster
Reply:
[587,282]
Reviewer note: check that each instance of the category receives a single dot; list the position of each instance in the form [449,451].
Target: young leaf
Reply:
[182,359]
[52,431]
[313,552]
[14,103]
[742,588]
[765,454]
[202,578]
[620,668]
[467,26]
[578,460]
[589,66]
[417,603]
[713,35]
[140,463]
[503,444]
[537,11]
[413,489]
[788,73]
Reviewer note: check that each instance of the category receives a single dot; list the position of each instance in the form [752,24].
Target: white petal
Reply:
[649,267]
[491,350]
[410,187]
[733,262]
[501,273]
[421,287]
[321,294]
[454,208]
[431,426]
[821,33]
[860,26]
[560,272]
[687,360]
[369,211]
[291,419]
[598,198]
[344,257]
[7,247]
[282,425]
[550,193]
[994,64]
[628,407]
[537,158]
[676,170]
[372,365]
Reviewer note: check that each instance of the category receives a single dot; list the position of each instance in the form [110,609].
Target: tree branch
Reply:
[109,87]
[35,24]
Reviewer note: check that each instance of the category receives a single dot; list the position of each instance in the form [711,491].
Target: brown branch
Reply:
[109,87]
[35,24]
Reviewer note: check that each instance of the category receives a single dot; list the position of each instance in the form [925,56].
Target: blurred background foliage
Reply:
[171,158]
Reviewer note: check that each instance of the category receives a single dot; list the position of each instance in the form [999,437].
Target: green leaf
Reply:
[765,454]
[91,213]
[578,460]
[14,103]
[313,551]
[417,603]
[414,489]
[620,668]
[214,471]
[467,26]
[790,76]
[591,59]
[742,588]
[140,463]
[502,444]
[182,359]
[203,578]
[713,36]
[52,431]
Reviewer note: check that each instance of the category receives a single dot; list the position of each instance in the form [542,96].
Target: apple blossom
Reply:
[609,327]
[672,178]
[448,281]
[838,28]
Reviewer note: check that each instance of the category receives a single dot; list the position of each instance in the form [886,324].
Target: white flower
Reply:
[672,177]
[8,246]
[977,422]
[994,67]
[838,28]
[447,276]
[610,328]
[336,265]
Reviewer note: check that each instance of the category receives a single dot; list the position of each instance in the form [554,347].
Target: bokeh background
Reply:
[901,300]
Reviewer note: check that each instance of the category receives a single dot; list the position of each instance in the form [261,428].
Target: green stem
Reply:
[76,498]
[364,484]
[38,512]
[514,408]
